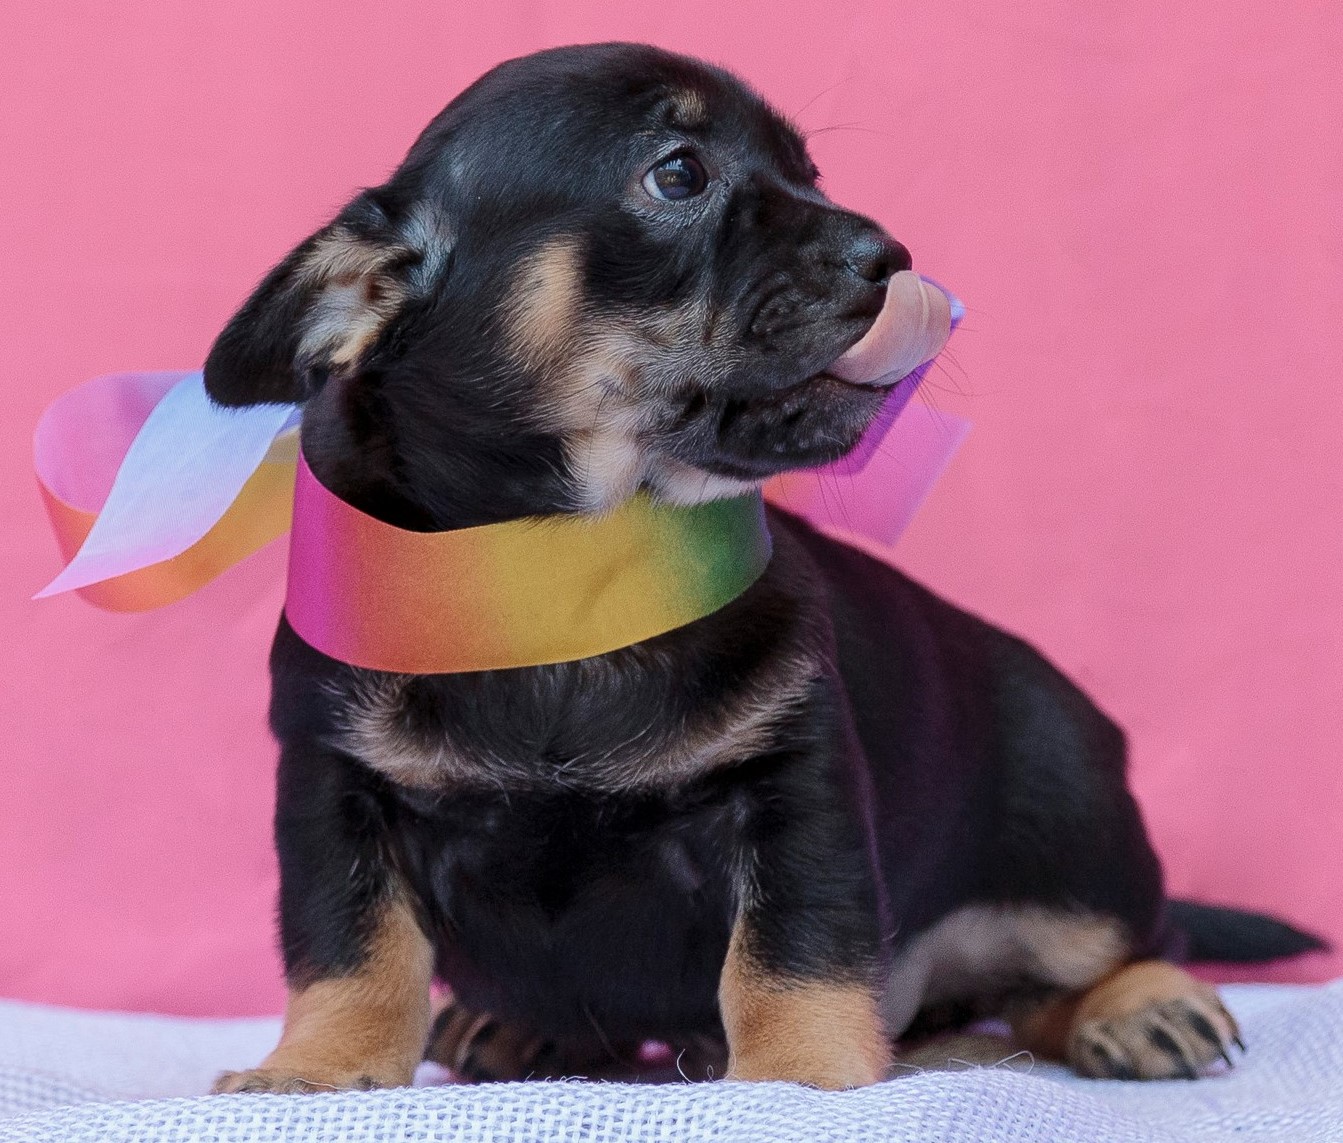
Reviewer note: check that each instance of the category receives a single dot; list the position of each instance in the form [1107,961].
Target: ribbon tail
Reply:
[199,488]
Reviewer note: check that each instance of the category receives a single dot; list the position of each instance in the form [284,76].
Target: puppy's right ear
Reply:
[323,309]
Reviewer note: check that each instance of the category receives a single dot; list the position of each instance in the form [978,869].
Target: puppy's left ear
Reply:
[328,304]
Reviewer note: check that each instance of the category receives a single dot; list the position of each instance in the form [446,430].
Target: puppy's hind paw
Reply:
[480,1048]
[1173,1039]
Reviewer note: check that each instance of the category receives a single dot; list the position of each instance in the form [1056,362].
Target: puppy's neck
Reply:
[388,466]
[486,477]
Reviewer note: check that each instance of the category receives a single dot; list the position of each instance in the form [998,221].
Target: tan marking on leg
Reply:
[825,1035]
[1046,1028]
[364,1030]
[1149,1020]
[983,950]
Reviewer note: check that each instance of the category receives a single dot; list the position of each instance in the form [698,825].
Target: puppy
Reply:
[836,811]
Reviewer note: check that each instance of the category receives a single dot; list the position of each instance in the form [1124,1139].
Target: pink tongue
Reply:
[912,328]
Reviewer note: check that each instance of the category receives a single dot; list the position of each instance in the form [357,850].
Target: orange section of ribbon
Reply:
[261,513]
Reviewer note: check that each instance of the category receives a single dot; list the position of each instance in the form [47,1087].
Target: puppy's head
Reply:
[599,268]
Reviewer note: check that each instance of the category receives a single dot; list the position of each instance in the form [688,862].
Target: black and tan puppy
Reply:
[835,809]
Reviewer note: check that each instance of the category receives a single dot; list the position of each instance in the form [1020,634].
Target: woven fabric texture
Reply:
[76,1076]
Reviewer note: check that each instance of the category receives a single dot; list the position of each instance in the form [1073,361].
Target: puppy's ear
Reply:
[323,309]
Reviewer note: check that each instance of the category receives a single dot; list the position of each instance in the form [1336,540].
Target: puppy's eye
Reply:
[681,176]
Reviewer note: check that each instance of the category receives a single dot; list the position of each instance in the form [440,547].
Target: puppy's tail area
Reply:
[1235,936]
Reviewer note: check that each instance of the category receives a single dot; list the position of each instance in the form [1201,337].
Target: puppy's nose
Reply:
[874,257]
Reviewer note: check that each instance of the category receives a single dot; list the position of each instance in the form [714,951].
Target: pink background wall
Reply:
[1140,207]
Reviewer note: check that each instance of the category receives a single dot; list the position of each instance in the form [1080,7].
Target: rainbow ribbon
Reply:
[541,590]
[153,491]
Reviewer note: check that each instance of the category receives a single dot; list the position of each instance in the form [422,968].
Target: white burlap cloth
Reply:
[73,1076]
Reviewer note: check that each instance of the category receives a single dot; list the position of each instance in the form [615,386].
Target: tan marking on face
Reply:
[690,110]
[365,1029]
[585,367]
[546,309]
[825,1035]
[598,373]
[981,950]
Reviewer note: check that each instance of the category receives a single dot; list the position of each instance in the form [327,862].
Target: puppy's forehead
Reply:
[721,110]
[531,124]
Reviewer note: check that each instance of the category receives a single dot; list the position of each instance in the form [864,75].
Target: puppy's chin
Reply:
[742,443]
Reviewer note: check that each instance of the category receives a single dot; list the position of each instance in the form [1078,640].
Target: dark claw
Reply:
[1203,1026]
[1115,1065]
[1235,1027]
[1165,1042]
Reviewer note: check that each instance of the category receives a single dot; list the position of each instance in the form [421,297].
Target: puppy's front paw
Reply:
[1177,1038]
[296,1079]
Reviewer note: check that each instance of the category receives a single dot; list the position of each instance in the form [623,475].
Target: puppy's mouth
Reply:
[821,417]
[912,327]
[881,386]
[811,422]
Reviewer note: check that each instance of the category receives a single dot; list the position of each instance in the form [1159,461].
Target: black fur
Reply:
[928,760]
[1213,933]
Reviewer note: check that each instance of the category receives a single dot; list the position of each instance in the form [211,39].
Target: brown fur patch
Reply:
[825,1035]
[1149,1020]
[587,367]
[361,284]
[379,732]
[364,1030]
[547,303]
[689,110]
[600,376]
[1137,986]
[984,950]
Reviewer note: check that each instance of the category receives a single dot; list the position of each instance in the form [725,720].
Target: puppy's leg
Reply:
[1148,1020]
[364,1030]
[359,965]
[824,1033]
[799,989]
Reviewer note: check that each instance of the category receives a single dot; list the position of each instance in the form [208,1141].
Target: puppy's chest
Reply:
[573,726]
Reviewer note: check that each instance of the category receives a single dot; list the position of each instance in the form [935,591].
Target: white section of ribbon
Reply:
[185,467]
